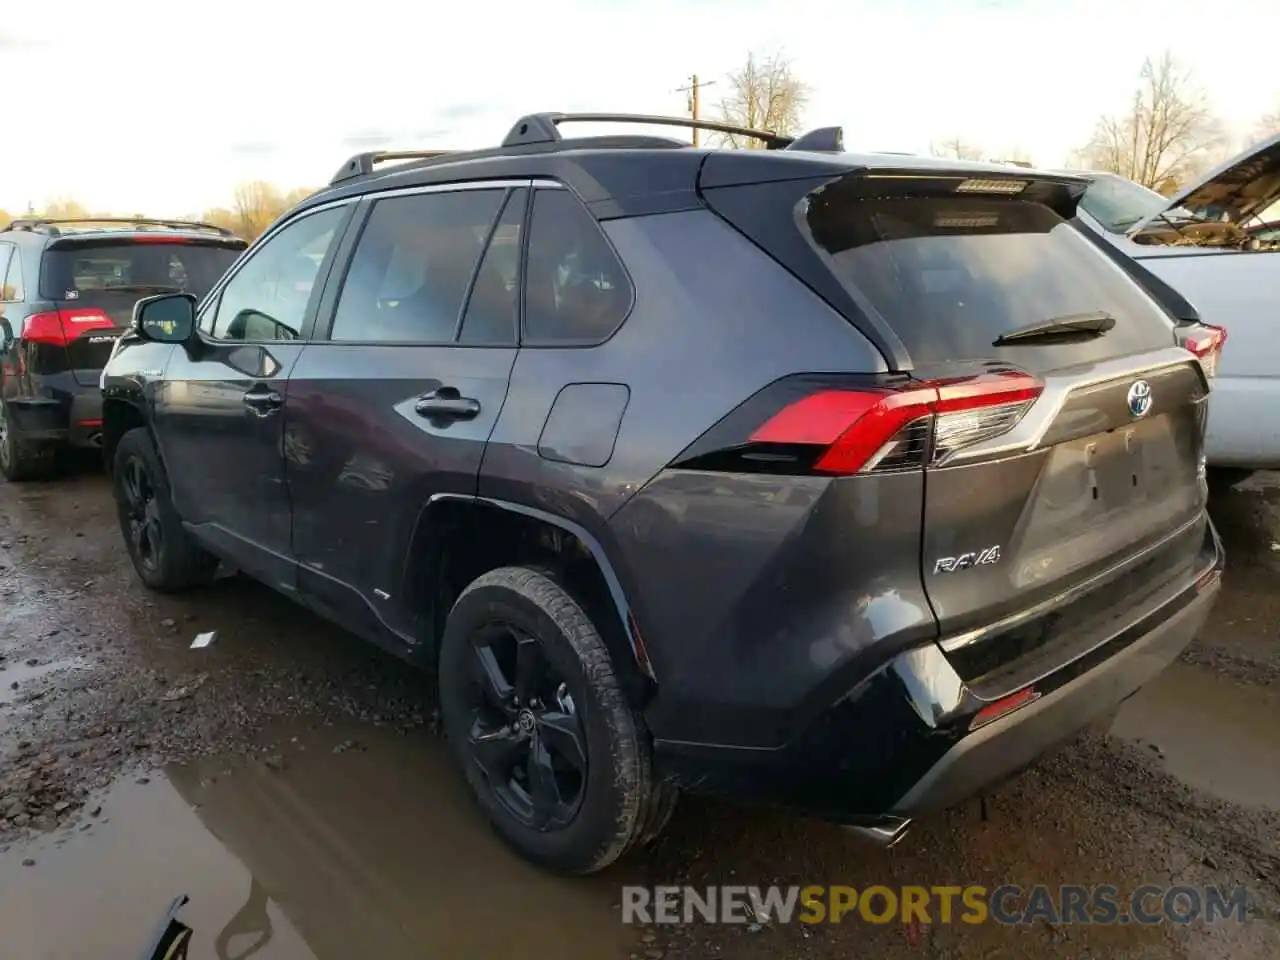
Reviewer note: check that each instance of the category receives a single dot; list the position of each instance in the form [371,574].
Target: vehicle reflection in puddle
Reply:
[1211,732]
[309,856]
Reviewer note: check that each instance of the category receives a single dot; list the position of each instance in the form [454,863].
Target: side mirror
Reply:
[167,318]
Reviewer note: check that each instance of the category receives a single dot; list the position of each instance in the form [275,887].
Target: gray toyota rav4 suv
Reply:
[842,483]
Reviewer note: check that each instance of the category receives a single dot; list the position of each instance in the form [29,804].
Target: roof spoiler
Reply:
[50,225]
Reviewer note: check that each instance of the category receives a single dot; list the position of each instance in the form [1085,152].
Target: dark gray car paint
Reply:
[768,604]
[583,423]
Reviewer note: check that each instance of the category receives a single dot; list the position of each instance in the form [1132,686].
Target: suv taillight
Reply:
[1206,341]
[59,328]
[924,423]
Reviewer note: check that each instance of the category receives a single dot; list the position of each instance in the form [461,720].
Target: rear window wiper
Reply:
[1095,322]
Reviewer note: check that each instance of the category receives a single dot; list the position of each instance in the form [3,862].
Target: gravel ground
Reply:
[103,703]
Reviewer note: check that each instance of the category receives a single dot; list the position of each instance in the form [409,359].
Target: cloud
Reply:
[11,41]
[368,139]
[253,147]
[463,111]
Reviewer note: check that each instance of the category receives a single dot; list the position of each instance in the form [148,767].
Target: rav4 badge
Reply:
[978,558]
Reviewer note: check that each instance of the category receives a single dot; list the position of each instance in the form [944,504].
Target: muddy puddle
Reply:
[333,844]
[17,679]
[1212,732]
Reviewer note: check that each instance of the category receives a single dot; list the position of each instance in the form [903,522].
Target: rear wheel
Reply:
[554,754]
[23,459]
[162,552]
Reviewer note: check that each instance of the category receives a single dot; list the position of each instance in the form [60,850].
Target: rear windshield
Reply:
[129,266]
[950,275]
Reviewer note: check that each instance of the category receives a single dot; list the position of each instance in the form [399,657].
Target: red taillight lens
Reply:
[1004,706]
[59,328]
[864,430]
[1207,344]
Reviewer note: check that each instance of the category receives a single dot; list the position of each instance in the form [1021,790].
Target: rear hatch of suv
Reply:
[1042,393]
[93,279]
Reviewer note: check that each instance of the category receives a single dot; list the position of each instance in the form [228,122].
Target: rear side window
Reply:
[576,290]
[412,266]
[143,266]
[952,274]
[12,280]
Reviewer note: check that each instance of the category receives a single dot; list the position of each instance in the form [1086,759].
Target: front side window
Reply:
[576,290]
[412,266]
[6,251]
[12,280]
[267,298]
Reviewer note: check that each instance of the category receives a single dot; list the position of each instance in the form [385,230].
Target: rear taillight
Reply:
[1206,342]
[923,423]
[59,328]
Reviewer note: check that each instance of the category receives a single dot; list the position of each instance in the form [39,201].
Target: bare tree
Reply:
[765,94]
[256,205]
[956,147]
[1269,125]
[1168,134]
[64,208]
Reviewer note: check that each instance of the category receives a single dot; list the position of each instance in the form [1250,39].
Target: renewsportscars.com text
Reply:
[973,904]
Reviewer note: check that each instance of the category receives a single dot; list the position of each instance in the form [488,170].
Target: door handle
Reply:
[446,402]
[263,403]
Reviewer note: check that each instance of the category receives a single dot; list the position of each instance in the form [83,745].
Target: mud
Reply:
[286,778]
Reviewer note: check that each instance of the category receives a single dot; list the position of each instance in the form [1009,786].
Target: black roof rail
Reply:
[542,127]
[362,164]
[50,224]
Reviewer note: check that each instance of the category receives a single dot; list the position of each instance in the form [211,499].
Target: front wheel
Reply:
[555,756]
[163,553]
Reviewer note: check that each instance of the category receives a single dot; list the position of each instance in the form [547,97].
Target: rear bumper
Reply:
[66,413]
[900,744]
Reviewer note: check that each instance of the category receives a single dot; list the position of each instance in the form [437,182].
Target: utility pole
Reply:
[695,86]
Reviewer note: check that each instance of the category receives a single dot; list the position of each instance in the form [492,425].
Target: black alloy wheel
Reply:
[141,509]
[525,734]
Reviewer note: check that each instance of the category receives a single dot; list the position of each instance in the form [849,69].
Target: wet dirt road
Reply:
[287,780]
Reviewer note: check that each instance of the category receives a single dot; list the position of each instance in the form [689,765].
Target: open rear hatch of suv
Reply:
[93,280]
[1058,424]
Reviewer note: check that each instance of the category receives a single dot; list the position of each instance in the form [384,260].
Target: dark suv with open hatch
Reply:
[843,483]
[67,290]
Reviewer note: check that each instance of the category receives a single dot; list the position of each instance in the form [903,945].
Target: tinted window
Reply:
[1118,204]
[492,313]
[6,250]
[576,290]
[13,278]
[952,275]
[412,267]
[140,267]
[267,298]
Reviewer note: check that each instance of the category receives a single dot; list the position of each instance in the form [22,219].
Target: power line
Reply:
[693,89]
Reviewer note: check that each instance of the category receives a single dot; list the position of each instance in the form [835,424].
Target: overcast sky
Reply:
[161,107]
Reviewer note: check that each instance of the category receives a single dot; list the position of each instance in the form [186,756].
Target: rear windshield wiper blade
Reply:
[1095,322]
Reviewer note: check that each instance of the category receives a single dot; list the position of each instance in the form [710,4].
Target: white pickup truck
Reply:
[1213,243]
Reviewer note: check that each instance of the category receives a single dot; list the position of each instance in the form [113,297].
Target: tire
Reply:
[23,460]
[166,557]
[1223,479]
[521,615]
